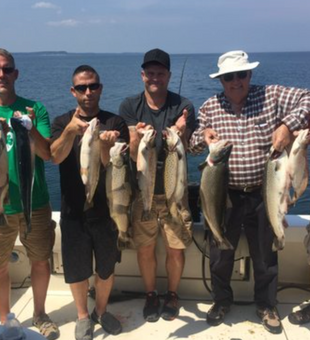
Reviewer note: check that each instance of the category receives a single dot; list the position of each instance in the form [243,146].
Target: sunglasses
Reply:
[230,76]
[83,88]
[7,70]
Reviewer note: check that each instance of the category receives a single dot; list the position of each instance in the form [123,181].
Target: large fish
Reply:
[298,165]
[175,172]
[25,161]
[214,190]
[119,192]
[276,186]
[4,177]
[90,160]
[146,167]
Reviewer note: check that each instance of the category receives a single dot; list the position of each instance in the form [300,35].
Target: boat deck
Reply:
[127,298]
[240,323]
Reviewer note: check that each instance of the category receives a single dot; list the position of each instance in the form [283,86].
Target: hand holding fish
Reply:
[180,124]
[281,137]
[77,125]
[107,139]
[210,136]
[141,128]
[26,120]
[31,113]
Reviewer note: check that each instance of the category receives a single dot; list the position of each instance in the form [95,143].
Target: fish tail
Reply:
[278,244]
[124,242]
[3,220]
[146,215]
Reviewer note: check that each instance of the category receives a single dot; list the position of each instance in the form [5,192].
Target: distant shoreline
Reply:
[64,53]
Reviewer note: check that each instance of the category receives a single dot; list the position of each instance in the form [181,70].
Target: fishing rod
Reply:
[182,74]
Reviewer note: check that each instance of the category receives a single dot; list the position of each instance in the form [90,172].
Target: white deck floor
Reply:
[240,324]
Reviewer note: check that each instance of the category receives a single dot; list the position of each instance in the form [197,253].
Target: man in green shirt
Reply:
[39,242]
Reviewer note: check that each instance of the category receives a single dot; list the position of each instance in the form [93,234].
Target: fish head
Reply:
[117,152]
[93,126]
[172,138]
[17,124]
[303,137]
[220,151]
[92,132]
[149,137]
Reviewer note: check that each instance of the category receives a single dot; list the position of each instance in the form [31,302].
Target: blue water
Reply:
[47,78]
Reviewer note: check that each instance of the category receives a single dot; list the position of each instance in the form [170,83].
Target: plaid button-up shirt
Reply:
[251,132]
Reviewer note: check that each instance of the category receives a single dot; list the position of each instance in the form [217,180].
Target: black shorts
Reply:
[81,242]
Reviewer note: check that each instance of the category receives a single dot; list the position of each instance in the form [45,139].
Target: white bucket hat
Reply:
[233,61]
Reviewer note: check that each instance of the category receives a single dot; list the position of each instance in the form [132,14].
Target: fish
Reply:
[175,173]
[90,160]
[214,190]
[298,165]
[25,161]
[276,184]
[119,192]
[146,171]
[4,176]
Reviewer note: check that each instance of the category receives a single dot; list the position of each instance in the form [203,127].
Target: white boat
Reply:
[127,299]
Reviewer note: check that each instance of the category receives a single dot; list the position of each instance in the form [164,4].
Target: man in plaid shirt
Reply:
[253,118]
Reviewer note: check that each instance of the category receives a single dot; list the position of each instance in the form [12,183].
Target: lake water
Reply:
[47,78]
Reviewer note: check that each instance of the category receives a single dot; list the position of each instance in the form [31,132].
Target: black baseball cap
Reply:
[157,56]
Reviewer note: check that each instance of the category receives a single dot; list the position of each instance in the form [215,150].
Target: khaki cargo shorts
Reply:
[38,243]
[175,236]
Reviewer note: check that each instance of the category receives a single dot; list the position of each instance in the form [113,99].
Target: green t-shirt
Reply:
[40,196]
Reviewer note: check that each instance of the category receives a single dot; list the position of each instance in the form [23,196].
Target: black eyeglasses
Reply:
[230,76]
[83,88]
[7,70]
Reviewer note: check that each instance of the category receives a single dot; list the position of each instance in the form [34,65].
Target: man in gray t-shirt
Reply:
[158,108]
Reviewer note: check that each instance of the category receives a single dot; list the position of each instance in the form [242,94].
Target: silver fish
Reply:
[146,167]
[175,173]
[214,190]
[25,160]
[4,176]
[90,160]
[298,165]
[276,186]
[119,192]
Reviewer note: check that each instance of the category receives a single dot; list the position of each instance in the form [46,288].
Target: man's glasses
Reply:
[7,70]
[83,88]
[230,76]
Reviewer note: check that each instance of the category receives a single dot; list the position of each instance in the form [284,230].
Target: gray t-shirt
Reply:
[135,109]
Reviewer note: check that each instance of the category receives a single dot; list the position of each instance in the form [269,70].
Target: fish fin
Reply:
[285,224]
[88,205]
[225,245]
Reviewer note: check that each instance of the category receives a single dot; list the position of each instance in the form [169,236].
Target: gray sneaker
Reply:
[84,329]
[108,322]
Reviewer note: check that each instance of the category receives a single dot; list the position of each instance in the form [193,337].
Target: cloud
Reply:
[64,23]
[45,5]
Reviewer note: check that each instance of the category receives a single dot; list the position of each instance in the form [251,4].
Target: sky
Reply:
[177,26]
